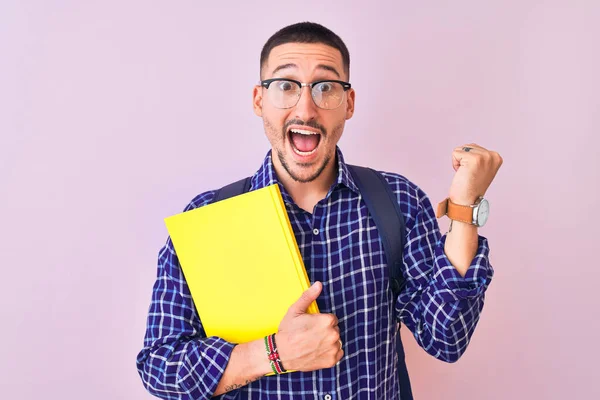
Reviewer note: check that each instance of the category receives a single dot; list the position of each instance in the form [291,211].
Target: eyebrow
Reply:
[320,66]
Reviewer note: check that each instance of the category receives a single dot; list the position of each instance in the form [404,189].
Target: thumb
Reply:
[309,295]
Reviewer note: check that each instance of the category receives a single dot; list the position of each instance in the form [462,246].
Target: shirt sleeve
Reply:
[178,361]
[438,305]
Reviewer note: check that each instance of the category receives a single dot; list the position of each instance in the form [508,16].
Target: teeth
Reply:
[307,133]
[303,132]
[303,153]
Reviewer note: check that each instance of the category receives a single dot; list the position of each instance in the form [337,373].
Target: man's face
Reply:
[301,155]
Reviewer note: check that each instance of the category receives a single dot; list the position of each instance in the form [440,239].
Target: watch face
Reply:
[482,212]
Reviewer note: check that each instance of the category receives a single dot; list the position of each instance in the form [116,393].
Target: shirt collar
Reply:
[266,176]
[344,176]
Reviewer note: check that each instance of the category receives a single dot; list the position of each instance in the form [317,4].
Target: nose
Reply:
[306,109]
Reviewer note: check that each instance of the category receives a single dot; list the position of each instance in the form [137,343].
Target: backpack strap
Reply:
[385,211]
[231,190]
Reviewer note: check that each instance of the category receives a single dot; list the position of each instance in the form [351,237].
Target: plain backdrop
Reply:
[115,114]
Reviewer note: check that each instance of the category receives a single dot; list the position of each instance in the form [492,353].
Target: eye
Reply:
[324,87]
[285,86]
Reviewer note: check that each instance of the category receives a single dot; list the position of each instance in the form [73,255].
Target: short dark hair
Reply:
[306,32]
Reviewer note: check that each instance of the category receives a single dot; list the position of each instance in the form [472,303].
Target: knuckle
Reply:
[332,320]
[334,337]
[333,359]
[323,321]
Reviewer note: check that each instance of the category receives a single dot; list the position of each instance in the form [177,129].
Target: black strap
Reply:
[385,211]
[233,189]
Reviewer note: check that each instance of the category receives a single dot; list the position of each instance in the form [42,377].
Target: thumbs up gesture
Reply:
[307,342]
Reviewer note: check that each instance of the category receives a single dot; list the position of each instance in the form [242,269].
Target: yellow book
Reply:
[241,262]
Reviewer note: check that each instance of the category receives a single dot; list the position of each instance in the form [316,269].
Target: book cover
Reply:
[241,262]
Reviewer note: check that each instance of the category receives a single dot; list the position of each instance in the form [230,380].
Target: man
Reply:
[347,351]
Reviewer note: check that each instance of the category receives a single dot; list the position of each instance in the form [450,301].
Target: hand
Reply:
[307,342]
[475,170]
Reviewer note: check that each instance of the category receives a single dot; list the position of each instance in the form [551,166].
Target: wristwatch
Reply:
[475,214]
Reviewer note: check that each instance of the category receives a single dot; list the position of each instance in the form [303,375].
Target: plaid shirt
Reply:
[341,248]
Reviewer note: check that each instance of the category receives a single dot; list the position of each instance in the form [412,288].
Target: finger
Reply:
[309,295]
[334,340]
[333,320]
[339,355]
[461,156]
[472,146]
[497,157]
[469,148]
[478,147]
[485,155]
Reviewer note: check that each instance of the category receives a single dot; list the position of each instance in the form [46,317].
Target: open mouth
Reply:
[304,142]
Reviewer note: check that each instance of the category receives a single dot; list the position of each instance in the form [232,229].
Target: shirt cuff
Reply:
[477,278]
[204,365]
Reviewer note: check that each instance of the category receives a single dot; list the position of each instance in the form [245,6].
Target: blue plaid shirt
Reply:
[341,248]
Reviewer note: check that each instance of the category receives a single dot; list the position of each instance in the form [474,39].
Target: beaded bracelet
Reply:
[273,355]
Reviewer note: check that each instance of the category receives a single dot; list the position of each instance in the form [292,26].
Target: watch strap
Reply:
[455,211]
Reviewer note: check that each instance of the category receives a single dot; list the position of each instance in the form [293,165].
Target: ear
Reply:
[257,98]
[351,97]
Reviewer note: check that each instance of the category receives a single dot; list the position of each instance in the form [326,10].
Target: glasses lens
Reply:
[283,94]
[328,95]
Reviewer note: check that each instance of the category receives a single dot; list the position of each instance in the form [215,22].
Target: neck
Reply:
[307,194]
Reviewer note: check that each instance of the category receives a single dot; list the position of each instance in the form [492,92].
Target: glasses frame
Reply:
[267,82]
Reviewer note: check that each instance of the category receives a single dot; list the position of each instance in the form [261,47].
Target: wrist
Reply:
[272,352]
[285,358]
[260,361]
[461,226]
[464,200]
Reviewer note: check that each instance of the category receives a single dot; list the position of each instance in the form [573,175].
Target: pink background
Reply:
[114,114]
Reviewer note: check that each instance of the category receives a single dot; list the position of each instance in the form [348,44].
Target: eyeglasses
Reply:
[285,93]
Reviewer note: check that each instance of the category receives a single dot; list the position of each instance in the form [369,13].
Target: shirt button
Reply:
[316,232]
[327,396]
